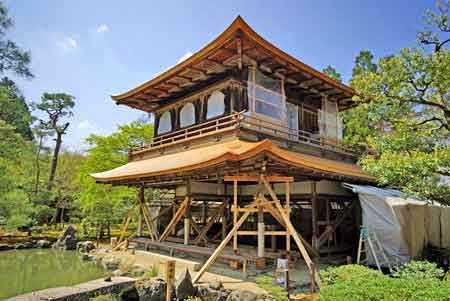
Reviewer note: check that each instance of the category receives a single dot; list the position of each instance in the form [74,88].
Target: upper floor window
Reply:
[266,95]
[165,123]
[187,115]
[215,105]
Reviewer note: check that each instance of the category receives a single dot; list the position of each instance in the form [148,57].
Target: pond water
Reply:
[24,271]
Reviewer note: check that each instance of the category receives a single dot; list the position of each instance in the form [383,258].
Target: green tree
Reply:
[14,109]
[331,72]
[364,63]
[408,99]
[103,204]
[57,106]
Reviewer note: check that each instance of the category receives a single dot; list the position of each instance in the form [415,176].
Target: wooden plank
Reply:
[224,242]
[211,222]
[337,222]
[288,212]
[176,218]
[291,229]
[235,215]
[248,178]
[267,233]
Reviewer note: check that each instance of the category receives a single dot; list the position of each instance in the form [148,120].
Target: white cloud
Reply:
[102,28]
[68,43]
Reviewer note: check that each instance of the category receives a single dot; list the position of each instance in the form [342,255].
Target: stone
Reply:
[43,244]
[152,290]
[19,246]
[28,244]
[110,263]
[184,287]
[216,285]
[117,273]
[85,246]
[241,295]
[67,240]
[84,256]
[4,247]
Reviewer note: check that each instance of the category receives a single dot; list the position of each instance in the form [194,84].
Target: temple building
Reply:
[248,151]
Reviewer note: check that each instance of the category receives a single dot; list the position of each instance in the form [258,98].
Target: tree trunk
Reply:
[38,167]
[54,160]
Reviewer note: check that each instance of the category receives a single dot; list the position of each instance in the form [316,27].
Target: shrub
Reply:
[152,272]
[277,292]
[386,288]
[418,270]
[332,275]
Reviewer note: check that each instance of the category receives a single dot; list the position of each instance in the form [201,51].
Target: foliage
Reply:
[14,109]
[403,114]
[100,203]
[12,58]
[418,270]
[331,72]
[333,275]
[360,283]
[277,292]
[152,272]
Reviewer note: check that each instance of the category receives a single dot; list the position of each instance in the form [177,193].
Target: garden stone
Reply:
[67,240]
[85,246]
[184,287]
[152,290]
[4,247]
[43,244]
[111,263]
[242,295]
[117,273]
[216,285]
[28,245]
[19,246]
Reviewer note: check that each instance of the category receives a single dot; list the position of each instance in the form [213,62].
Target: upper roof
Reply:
[214,156]
[238,45]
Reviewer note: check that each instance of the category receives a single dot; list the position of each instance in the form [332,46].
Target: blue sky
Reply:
[92,49]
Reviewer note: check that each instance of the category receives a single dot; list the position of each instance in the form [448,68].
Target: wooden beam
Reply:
[212,220]
[176,218]
[235,214]
[291,229]
[337,222]
[248,178]
[224,242]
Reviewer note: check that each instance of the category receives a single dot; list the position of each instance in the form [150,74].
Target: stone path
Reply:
[79,292]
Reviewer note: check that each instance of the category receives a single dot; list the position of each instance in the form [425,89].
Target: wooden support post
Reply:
[187,226]
[224,242]
[288,212]
[291,229]
[169,278]
[204,212]
[139,224]
[315,231]
[261,229]
[176,218]
[235,215]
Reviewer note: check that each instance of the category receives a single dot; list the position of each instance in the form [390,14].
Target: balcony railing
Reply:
[241,120]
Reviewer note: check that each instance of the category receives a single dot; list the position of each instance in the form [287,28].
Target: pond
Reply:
[24,271]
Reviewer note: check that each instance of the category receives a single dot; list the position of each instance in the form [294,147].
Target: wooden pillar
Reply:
[261,229]
[315,233]
[288,213]
[187,225]
[204,212]
[235,215]
[139,224]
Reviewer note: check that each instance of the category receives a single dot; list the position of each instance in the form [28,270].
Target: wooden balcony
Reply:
[244,122]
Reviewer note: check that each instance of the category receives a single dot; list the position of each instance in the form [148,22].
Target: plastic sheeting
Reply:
[403,225]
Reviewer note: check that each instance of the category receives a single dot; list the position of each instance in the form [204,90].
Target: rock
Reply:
[111,263]
[84,256]
[19,246]
[108,279]
[137,270]
[4,247]
[184,287]
[216,285]
[241,295]
[117,273]
[43,244]
[152,290]
[85,246]
[67,240]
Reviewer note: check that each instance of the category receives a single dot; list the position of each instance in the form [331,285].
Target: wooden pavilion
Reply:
[249,141]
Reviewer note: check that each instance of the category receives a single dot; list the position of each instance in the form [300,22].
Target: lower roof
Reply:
[231,151]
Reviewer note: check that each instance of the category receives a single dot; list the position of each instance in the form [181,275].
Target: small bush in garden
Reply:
[275,291]
[332,275]
[418,270]
[152,272]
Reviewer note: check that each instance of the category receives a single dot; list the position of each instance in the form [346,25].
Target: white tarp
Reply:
[399,223]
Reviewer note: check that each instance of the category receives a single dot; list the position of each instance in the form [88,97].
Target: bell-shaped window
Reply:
[187,115]
[165,123]
[216,105]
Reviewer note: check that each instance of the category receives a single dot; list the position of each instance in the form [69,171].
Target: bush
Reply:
[418,270]
[275,291]
[152,272]
[354,282]
[332,275]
